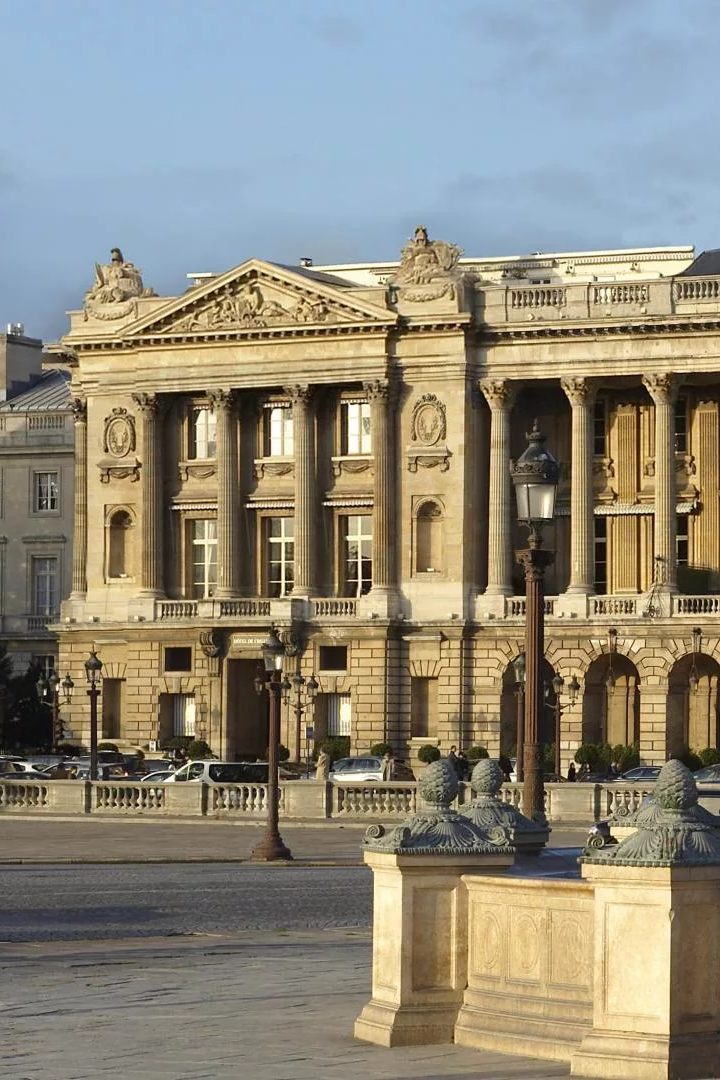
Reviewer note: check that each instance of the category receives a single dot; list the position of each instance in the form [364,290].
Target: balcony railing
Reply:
[515,606]
[696,605]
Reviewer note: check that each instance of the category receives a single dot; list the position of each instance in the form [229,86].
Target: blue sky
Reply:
[195,135]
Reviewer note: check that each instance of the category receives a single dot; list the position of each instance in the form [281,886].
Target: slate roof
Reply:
[706,265]
[50,392]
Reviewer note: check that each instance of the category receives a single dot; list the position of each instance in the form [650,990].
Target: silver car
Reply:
[351,770]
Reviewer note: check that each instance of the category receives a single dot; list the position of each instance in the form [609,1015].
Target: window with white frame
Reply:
[279,431]
[203,534]
[357,543]
[45,570]
[183,714]
[356,430]
[203,433]
[280,555]
[339,714]
[46,492]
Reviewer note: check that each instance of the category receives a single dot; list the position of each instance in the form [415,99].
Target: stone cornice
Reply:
[486,334]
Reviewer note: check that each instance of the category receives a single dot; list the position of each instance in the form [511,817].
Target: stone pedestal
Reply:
[656,1007]
[419,945]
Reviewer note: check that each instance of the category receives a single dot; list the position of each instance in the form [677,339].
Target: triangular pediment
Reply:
[257,296]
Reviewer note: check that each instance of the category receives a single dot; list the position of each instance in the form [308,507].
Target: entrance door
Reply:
[247,712]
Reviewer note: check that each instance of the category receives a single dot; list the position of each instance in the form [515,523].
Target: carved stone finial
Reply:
[118,284]
[488,811]
[672,830]
[437,830]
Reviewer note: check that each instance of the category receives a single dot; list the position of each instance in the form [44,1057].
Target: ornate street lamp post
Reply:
[535,476]
[48,689]
[300,693]
[93,669]
[519,672]
[271,848]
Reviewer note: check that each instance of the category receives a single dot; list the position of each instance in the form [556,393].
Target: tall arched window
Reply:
[119,545]
[429,539]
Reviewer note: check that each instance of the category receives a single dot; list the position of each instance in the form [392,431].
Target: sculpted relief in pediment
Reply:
[251,303]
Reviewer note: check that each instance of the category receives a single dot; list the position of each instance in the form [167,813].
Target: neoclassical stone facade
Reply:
[328,450]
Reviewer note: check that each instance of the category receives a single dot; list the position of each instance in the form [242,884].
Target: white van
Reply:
[221,772]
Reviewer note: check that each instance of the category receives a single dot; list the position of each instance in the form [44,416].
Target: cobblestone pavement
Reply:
[90,839]
[271,1006]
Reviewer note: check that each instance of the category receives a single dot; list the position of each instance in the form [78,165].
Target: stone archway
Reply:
[693,719]
[611,714]
[509,709]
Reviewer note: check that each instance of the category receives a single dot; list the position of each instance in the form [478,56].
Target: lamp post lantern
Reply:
[271,848]
[93,669]
[48,688]
[535,477]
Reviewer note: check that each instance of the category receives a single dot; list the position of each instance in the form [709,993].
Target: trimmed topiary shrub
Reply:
[427,754]
[107,746]
[710,755]
[71,749]
[337,746]
[179,742]
[475,753]
[379,749]
[198,748]
[689,759]
[626,757]
[283,752]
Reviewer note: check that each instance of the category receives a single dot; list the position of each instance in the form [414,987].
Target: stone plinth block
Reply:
[419,945]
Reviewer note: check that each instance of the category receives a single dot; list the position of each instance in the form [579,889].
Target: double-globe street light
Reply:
[93,669]
[300,694]
[48,689]
[535,477]
[271,848]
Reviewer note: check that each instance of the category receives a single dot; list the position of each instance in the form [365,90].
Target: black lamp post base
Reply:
[271,849]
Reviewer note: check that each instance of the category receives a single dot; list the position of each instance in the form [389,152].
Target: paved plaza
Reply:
[274,1006]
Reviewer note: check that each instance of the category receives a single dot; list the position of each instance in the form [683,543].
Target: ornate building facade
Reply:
[327,449]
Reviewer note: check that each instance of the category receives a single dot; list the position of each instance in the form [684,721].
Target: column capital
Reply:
[222,400]
[147,403]
[662,387]
[377,390]
[299,394]
[78,407]
[499,393]
[578,390]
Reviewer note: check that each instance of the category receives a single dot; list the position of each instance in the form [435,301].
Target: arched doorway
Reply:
[693,722]
[611,702]
[509,709]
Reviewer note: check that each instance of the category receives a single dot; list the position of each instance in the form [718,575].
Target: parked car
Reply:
[708,776]
[357,769]
[640,774]
[209,771]
[17,769]
[158,777]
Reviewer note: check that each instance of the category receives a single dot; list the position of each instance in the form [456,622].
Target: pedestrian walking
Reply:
[322,769]
[463,765]
[388,766]
[571,773]
[453,759]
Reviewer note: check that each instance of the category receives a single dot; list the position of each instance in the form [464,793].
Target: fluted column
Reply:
[383,544]
[500,396]
[80,527]
[151,484]
[581,393]
[663,390]
[228,520]
[304,441]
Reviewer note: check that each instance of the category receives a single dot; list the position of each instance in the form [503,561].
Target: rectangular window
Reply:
[333,658]
[279,431]
[44,662]
[681,425]
[45,492]
[45,585]
[339,714]
[204,557]
[203,433]
[280,555]
[357,438]
[423,707]
[601,566]
[178,658]
[600,429]
[357,554]
[682,540]
[183,714]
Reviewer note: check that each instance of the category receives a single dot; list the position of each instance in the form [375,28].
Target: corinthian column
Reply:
[228,523]
[383,543]
[500,397]
[79,564]
[151,483]
[580,393]
[304,441]
[663,390]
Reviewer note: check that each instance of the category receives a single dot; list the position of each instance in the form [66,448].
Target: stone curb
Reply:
[59,860]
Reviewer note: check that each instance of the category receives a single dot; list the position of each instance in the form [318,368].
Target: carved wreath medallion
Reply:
[428,425]
[119,437]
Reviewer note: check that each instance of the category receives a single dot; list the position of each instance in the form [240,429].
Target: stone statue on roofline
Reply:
[428,268]
[118,284]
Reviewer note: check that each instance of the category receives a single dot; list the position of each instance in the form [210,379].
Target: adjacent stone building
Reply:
[36,499]
[327,449]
